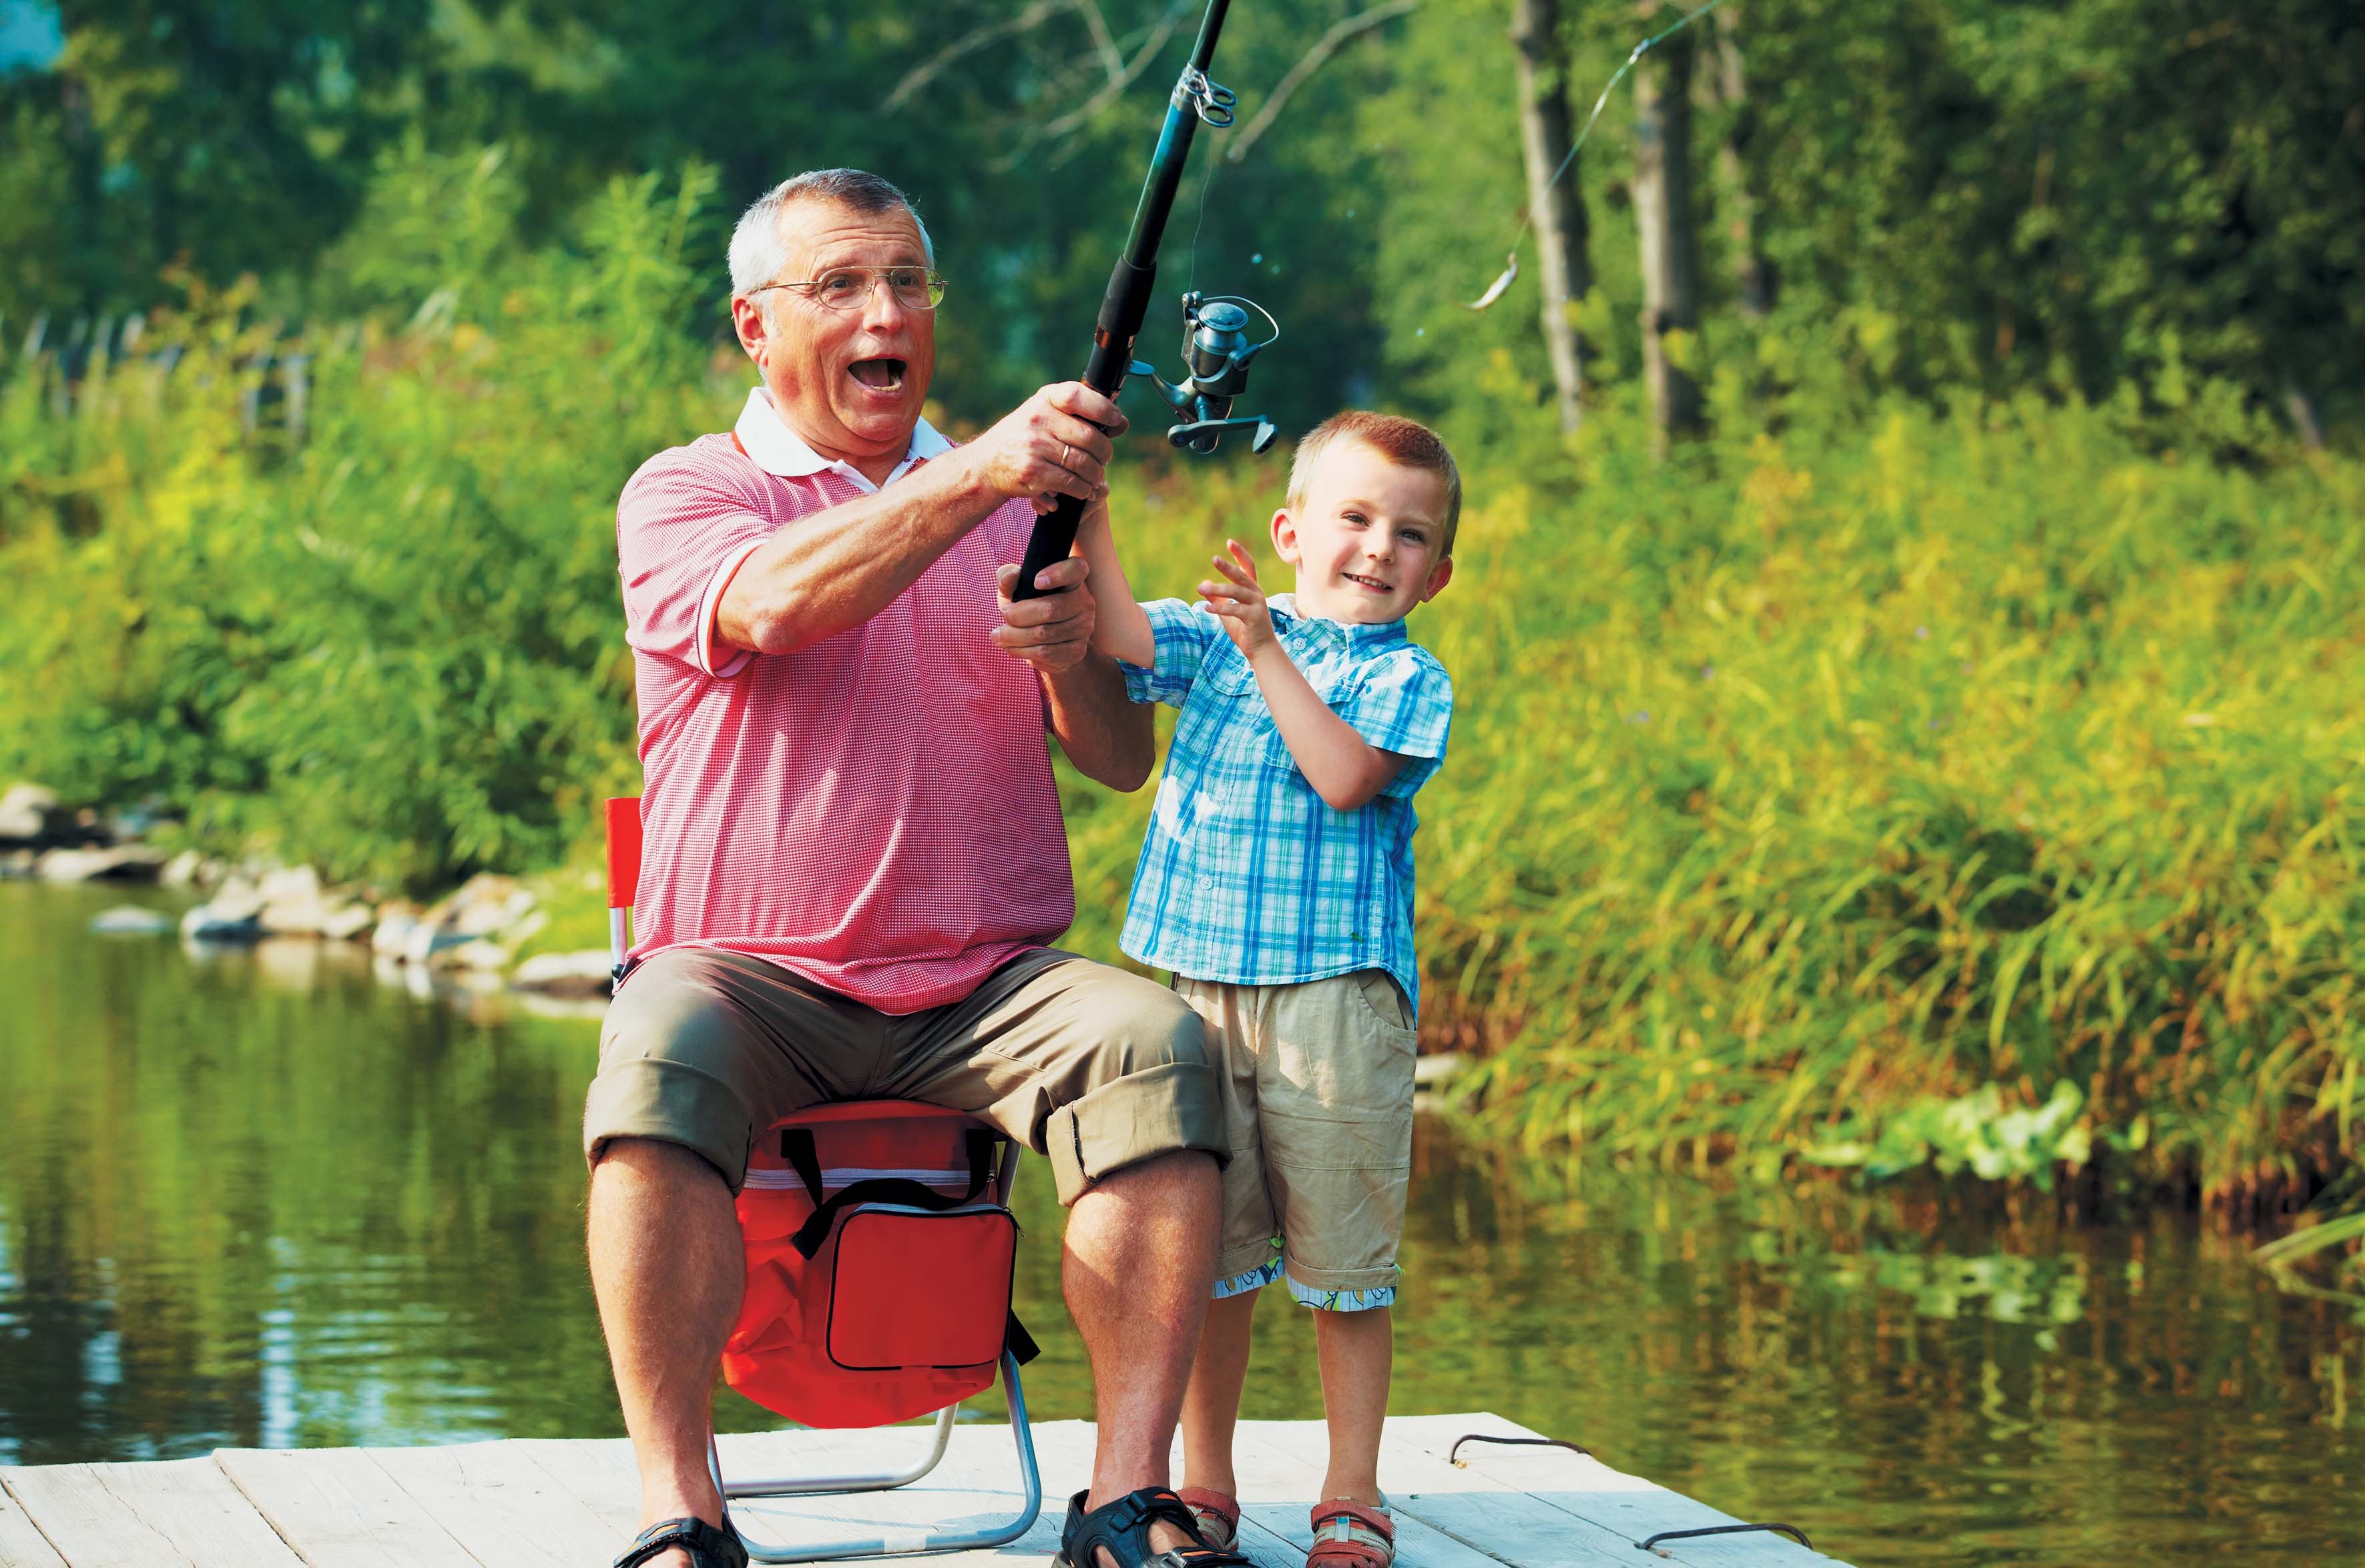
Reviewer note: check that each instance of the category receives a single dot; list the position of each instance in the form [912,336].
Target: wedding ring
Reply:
[1066,457]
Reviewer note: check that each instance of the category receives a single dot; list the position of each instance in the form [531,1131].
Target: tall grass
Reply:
[1799,786]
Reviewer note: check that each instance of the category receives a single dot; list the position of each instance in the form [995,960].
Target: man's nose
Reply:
[882,311]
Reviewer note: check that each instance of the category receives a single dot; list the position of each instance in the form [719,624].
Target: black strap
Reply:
[1018,1342]
[1123,1527]
[797,1147]
[705,1545]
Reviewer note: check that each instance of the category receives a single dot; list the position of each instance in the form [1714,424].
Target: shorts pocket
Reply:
[1383,997]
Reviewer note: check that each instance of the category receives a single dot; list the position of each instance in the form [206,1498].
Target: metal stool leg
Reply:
[915,1538]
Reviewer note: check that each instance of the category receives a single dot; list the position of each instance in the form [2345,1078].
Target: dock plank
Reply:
[1628,1506]
[22,1544]
[339,1508]
[180,1513]
[501,1507]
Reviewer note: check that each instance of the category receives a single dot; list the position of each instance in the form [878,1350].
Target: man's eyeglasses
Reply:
[849,288]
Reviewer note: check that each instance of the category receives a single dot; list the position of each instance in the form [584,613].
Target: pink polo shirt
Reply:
[875,812]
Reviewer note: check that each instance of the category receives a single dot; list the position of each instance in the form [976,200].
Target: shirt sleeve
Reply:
[1181,633]
[681,531]
[1404,703]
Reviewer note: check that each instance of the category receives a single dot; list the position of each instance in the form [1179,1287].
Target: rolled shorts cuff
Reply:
[1240,1270]
[1160,1110]
[1340,1300]
[1383,1276]
[670,1102]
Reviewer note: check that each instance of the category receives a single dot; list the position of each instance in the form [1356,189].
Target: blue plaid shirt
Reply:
[1247,877]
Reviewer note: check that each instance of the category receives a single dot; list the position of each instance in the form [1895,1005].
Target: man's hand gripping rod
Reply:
[1216,345]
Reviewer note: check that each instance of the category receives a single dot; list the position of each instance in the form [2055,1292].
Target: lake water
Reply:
[266,1198]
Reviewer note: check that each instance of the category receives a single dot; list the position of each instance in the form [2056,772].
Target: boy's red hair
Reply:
[1399,440]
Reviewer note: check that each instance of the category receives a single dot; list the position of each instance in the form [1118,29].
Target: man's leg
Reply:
[700,1050]
[666,1268]
[1141,1247]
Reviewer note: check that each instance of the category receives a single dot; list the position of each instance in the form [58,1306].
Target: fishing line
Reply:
[1511,267]
[1206,185]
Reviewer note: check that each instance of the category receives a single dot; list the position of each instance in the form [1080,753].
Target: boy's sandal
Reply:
[706,1546]
[1219,1516]
[1348,1535]
[1123,1527]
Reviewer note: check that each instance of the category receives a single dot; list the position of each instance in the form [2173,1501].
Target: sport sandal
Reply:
[706,1546]
[1348,1535]
[1219,1516]
[1124,1528]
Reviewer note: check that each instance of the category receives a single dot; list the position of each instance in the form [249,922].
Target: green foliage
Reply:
[394,649]
[1974,1133]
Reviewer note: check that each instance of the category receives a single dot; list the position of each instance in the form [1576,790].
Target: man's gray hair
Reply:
[758,254]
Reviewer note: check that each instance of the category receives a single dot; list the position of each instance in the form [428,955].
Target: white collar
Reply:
[777,449]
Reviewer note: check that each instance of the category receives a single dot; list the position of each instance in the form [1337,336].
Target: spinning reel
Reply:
[1216,352]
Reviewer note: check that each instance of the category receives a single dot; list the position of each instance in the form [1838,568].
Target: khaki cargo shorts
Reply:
[1094,1066]
[1315,1081]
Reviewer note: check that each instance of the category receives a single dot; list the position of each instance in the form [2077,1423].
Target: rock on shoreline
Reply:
[472,935]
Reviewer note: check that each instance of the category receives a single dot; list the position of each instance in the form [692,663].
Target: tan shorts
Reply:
[1092,1066]
[1316,1087]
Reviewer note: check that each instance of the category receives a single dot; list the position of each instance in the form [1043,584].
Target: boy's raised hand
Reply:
[1247,620]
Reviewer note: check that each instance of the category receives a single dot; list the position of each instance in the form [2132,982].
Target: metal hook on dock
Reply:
[1652,1544]
[1453,1454]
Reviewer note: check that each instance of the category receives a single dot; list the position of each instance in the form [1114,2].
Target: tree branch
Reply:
[1112,58]
[970,43]
[1158,33]
[1324,48]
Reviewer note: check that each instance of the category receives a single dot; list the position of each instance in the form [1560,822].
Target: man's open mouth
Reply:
[882,374]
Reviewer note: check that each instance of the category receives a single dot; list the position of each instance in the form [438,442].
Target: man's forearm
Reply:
[840,567]
[1111,738]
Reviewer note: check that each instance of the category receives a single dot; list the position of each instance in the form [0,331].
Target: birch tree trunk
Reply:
[1563,270]
[1663,212]
[1752,279]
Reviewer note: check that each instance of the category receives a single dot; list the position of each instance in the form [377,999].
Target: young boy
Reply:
[1276,882]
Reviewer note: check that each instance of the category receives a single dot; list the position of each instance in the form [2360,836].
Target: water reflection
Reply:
[267,1197]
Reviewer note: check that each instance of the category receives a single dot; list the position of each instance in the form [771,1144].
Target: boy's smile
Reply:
[1365,538]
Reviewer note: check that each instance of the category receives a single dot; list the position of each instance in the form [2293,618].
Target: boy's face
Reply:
[1366,537]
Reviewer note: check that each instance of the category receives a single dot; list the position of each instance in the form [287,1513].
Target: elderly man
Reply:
[855,861]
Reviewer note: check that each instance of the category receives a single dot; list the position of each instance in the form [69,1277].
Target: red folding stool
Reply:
[879,1245]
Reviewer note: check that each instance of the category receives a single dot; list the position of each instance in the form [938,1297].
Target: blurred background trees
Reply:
[2071,195]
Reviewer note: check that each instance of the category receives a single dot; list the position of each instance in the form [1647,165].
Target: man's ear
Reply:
[753,328]
[1438,576]
[1284,537]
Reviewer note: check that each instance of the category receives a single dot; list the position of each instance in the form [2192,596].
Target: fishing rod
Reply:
[1216,345]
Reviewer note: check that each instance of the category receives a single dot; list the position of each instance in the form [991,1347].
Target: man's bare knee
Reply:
[656,1160]
[1179,1184]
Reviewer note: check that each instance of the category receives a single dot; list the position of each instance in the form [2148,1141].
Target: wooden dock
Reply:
[560,1504]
